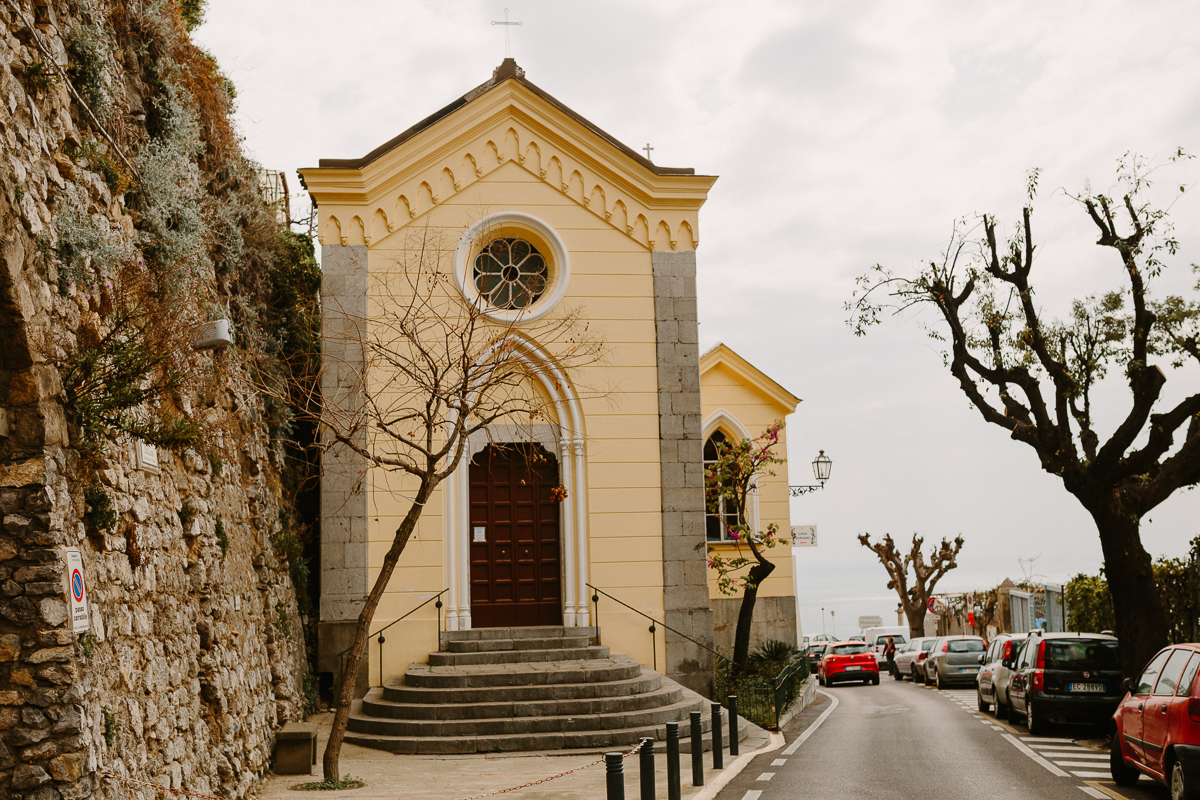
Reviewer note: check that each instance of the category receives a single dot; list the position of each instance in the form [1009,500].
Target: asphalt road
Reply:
[900,740]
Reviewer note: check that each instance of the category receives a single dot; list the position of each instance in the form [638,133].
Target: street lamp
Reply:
[822,466]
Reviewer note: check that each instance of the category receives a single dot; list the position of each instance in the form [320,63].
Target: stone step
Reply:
[584,741]
[503,726]
[374,704]
[537,632]
[491,645]
[444,659]
[537,673]
[455,698]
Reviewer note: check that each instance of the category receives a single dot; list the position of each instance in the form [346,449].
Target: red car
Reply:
[848,661]
[1158,724]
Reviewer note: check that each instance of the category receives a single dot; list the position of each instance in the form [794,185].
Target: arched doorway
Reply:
[515,547]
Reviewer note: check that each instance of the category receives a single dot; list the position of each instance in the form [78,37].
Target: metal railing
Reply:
[653,625]
[761,699]
[438,605]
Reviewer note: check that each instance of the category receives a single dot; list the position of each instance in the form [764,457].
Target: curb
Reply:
[733,770]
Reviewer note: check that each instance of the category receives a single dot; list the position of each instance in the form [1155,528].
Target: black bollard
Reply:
[646,767]
[614,776]
[733,725]
[717,745]
[697,751]
[674,790]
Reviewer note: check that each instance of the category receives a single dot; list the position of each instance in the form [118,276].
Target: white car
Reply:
[992,684]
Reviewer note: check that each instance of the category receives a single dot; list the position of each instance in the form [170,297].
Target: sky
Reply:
[845,135]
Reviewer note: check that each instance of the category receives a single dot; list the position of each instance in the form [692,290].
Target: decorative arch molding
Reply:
[566,438]
[605,198]
[723,419]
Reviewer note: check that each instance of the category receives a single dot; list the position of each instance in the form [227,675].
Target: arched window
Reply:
[717,522]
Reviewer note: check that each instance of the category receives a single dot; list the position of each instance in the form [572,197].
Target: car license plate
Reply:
[853,669]
[1085,687]
[969,669]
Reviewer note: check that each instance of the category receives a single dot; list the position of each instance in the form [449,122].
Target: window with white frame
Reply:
[717,522]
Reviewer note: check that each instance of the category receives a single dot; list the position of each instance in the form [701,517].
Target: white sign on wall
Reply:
[147,456]
[479,535]
[77,592]
[804,536]
[870,622]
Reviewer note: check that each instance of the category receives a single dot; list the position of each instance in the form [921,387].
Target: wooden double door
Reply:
[514,538]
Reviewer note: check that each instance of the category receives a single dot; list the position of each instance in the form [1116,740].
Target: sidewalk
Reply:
[455,777]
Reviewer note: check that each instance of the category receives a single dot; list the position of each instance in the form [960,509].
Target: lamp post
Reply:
[822,466]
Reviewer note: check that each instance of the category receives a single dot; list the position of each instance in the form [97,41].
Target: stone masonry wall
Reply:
[685,564]
[195,653]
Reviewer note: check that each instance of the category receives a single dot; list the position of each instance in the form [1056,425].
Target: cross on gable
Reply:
[506,23]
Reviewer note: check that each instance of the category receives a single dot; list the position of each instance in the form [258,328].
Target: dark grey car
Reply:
[954,660]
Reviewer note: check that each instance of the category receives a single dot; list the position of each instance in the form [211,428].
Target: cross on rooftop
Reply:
[506,23]
[647,148]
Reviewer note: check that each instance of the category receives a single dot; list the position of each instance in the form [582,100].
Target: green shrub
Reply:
[39,77]
[110,727]
[99,516]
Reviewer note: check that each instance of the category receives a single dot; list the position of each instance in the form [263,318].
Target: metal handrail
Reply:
[379,633]
[653,621]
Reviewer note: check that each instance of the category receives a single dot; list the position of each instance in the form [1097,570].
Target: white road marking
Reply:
[1090,764]
[766,776]
[1094,792]
[1036,758]
[794,746]
[1088,756]
[1092,775]
[1049,739]
[779,762]
[754,794]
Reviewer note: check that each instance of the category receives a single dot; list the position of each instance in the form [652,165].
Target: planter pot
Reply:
[213,335]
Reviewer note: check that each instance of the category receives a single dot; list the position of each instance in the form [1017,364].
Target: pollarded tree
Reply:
[729,483]
[1036,377]
[925,574]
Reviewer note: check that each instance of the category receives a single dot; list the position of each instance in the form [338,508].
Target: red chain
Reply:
[590,764]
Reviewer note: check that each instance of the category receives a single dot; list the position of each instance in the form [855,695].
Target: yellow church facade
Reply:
[508,174]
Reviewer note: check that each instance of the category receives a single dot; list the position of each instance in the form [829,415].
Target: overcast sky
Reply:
[844,134]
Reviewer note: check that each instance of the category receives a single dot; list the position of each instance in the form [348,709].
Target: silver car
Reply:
[992,686]
[910,656]
[954,660]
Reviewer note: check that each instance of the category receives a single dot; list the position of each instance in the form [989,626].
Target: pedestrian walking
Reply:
[889,652]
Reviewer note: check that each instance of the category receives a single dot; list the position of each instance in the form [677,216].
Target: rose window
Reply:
[510,274]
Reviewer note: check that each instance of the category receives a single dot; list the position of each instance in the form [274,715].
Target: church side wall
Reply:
[775,611]
[684,565]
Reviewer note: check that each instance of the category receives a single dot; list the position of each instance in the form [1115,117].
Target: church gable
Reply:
[509,121]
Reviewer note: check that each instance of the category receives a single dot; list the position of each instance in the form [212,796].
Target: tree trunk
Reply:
[916,620]
[330,761]
[741,640]
[1140,617]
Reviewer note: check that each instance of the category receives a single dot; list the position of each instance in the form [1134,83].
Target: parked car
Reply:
[954,660]
[910,657]
[876,639]
[992,686]
[1158,724]
[1064,677]
[848,661]
[820,638]
[813,653]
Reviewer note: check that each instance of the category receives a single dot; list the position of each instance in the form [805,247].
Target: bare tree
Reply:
[925,575]
[421,374]
[1035,376]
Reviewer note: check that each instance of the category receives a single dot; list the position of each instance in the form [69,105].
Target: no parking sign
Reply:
[77,592]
